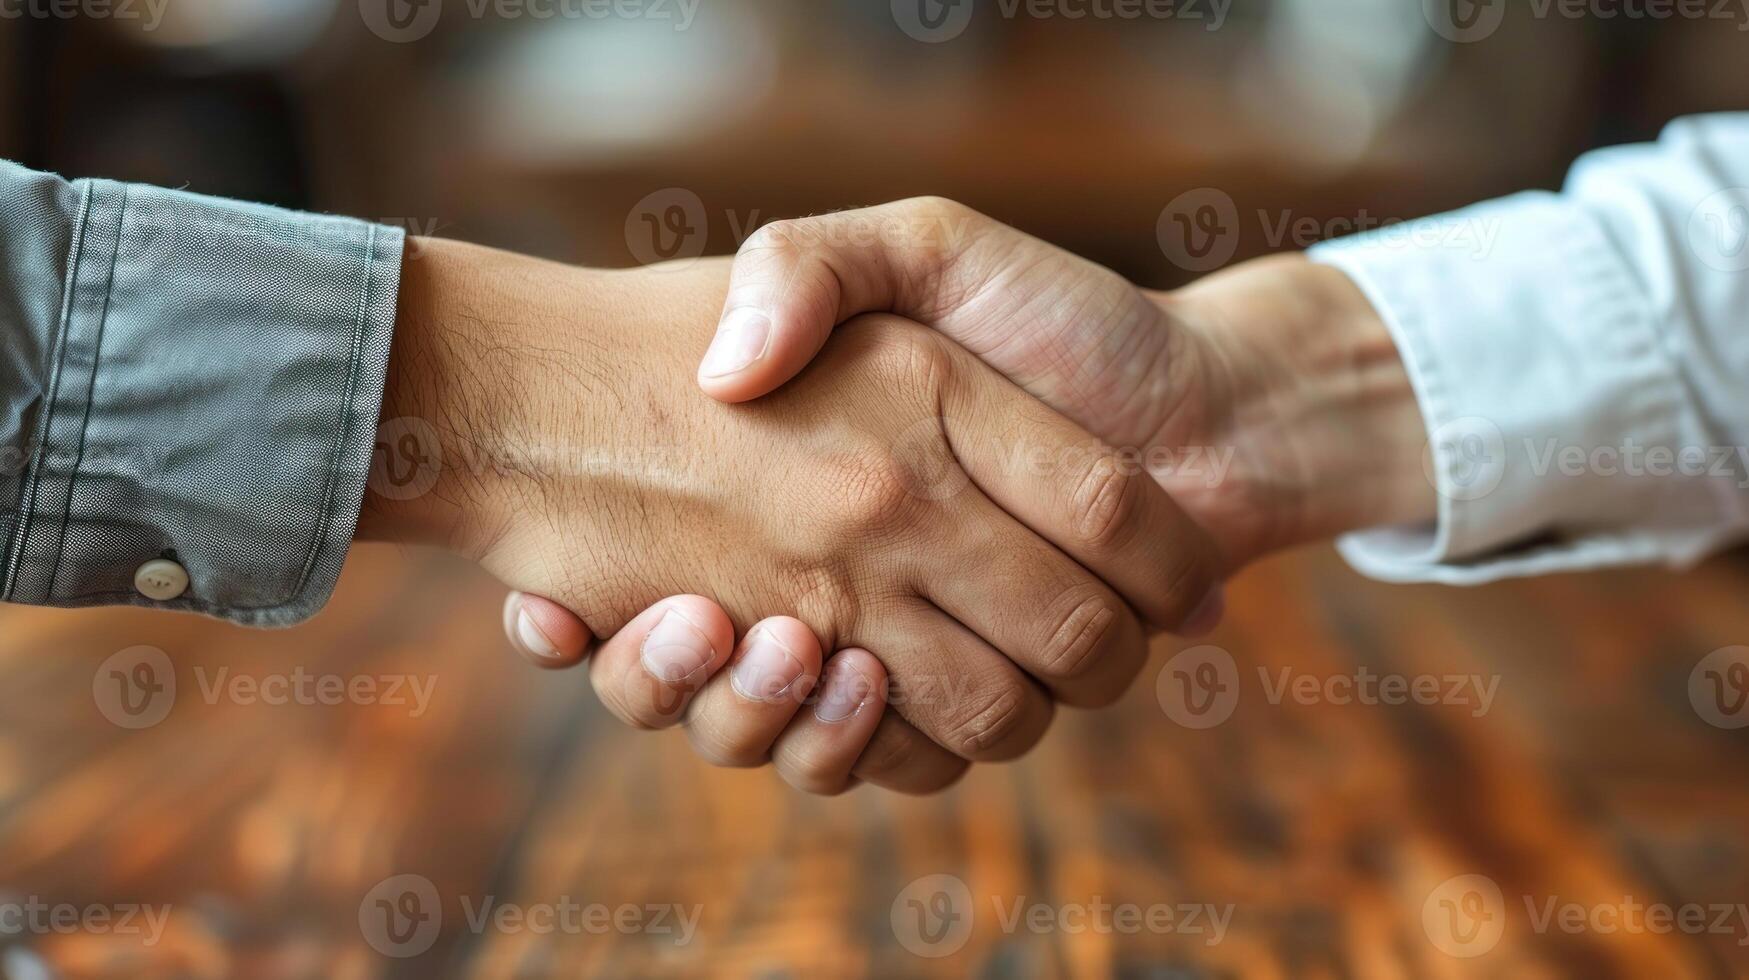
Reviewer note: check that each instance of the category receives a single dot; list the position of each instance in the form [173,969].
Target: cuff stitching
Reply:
[90,394]
[343,433]
[28,492]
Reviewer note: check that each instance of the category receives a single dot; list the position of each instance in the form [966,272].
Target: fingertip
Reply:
[730,390]
[734,371]
[705,616]
[854,681]
[546,633]
[649,671]
[754,381]
[778,660]
[796,636]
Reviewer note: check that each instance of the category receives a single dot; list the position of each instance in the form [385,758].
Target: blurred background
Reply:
[278,838]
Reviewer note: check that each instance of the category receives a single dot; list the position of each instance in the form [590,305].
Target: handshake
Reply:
[1006,467]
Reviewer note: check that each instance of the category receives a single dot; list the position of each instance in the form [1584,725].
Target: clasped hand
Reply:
[908,559]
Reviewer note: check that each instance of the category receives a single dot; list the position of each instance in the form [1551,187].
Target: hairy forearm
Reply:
[472,324]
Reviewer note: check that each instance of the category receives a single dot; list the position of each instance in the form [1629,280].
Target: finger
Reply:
[793,281]
[742,710]
[1095,503]
[816,752]
[648,672]
[546,633]
[904,760]
[1042,610]
[958,690]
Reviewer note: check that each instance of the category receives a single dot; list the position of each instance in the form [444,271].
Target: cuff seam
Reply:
[28,490]
[342,434]
[91,388]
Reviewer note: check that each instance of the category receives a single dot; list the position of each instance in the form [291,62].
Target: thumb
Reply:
[548,634]
[555,638]
[1071,332]
[794,281]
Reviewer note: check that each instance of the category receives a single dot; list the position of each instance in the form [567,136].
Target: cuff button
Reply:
[161,580]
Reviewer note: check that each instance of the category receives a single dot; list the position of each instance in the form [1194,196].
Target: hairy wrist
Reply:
[460,402]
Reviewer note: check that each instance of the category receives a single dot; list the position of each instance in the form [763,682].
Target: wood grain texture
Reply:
[1319,832]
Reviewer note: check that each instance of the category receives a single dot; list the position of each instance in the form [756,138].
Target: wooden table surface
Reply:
[1590,822]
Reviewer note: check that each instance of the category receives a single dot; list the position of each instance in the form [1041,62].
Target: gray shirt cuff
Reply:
[190,381]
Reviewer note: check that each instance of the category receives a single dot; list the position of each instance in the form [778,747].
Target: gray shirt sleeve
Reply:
[188,380]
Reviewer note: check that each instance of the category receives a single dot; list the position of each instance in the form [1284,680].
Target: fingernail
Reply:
[741,339]
[1207,614]
[845,692]
[767,669]
[675,649]
[532,639]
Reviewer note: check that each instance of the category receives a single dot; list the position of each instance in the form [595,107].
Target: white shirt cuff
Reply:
[1553,409]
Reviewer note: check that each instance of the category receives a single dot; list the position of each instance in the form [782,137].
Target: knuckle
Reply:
[1104,504]
[644,703]
[635,718]
[1074,645]
[823,595]
[870,493]
[936,207]
[901,355]
[722,748]
[996,727]
[1188,581]
[892,750]
[782,237]
[939,231]
[812,772]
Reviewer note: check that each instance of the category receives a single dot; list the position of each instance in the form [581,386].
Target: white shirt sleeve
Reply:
[1582,361]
